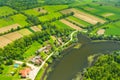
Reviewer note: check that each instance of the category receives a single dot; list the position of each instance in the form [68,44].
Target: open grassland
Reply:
[50,17]
[8,28]
[54,8]
[25,32]
[5,11]
[15,19]
[78,21]
[70,24]
[109,12]
[60,25]
[35,11]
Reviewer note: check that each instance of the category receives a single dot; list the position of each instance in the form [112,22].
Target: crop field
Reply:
[35,28]
[15,19]
[50,17]
[35,11]
[87,17]
[4,41]
[13,36]
[70,24]
[25,32]
[109,12]
[5,11]
[54,8]
[8,28]
[78,21]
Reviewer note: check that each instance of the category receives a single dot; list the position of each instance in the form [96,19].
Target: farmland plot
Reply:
[35,28]
[70,24]
[13,36]
[4,41]
[25,32]
[87,17]
[8,28]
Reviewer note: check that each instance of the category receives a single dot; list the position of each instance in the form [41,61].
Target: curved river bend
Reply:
[77,59]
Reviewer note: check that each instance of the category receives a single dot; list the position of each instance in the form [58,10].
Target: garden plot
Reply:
[35,28]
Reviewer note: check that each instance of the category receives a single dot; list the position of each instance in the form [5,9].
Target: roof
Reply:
[24,72]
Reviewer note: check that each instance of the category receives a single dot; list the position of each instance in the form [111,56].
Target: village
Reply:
[30,68]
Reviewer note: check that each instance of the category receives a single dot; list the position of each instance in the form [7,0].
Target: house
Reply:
[60,41]
[44,49]
[36,60]
[25,72]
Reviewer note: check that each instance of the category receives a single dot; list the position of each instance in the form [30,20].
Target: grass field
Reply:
[113,28]
[102,10]
[5,11]
[54,8]
[78,21]
[25,31]
[35,11]
[50,16]
[31,51]
[61,25]
[18,18]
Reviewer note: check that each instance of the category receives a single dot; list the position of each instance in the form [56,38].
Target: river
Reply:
[77,58]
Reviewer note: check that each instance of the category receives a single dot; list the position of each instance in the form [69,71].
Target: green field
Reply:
[31,51]
[54,8]
[5,11]
[31,12]
[101,10]
[78,21]
[113,28]
[18,18]
[60,25]
[50,17]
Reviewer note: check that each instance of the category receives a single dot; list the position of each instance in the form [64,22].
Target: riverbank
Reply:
[61,47]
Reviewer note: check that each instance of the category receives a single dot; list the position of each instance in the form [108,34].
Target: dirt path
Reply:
[71,24]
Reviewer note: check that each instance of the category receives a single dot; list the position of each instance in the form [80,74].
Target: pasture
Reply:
[6,11]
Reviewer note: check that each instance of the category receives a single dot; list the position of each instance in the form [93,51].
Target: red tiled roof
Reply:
[24,72]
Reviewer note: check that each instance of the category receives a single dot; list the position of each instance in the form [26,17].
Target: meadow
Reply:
[5,11]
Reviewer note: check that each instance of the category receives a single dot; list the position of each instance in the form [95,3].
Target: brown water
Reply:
[76,59]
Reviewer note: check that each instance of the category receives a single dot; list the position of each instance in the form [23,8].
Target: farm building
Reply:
[36,60]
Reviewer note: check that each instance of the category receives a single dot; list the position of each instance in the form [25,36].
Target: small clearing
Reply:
[101,31]
[7,28]
[70,24]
